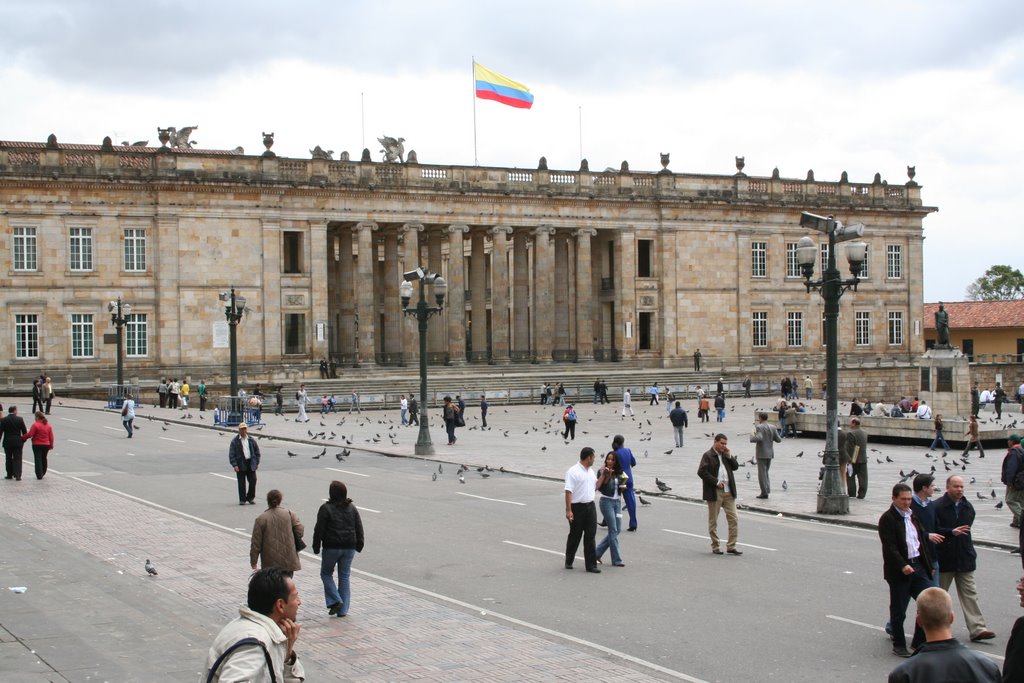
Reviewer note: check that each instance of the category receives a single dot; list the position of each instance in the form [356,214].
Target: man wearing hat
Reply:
[244,456]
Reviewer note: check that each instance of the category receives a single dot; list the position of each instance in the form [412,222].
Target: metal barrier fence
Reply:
[116,394]
[231,411]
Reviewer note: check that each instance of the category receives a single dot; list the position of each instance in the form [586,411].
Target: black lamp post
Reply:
[233,310]
[422,312]
[832,499]
[119,312]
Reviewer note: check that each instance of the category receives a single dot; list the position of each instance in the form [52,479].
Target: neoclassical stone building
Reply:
[542,265]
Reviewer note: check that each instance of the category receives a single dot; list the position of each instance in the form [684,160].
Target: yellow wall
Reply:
[986,341]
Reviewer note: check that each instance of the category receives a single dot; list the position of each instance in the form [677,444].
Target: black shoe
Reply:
[1015,551]
[717,551]
[8,477]
[633,529]
[333,609]
[593,570]
[733,551]
[762,497]
[901,651]
[241,502]
[252,502]
[568,566]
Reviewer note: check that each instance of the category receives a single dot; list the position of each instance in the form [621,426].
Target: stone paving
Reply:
[397,639]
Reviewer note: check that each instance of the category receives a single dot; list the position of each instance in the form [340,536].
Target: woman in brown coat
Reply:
[273,536]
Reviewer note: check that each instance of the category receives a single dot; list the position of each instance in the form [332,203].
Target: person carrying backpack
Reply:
[569,418]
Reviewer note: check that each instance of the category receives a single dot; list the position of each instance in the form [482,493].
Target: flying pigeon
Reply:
[339,455]
[150,569]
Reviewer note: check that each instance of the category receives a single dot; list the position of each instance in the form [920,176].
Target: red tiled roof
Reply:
[978,314]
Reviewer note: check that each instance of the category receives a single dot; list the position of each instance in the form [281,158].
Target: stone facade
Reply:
[542,265]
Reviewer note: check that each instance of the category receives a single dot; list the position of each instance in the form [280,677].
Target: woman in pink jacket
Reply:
[41,434]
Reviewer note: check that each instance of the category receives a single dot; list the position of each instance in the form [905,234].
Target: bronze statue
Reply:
[942,327]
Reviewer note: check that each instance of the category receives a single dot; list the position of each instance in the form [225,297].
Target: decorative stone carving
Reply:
[775,173]
[412,159]
[51,141]
[319,153]
[268,142]
[137,143]
[393,150]
[845,177]
[177,139]
[344,157]
[740,164]
[810,175]
[877,180]
[542,165]
[108,144]
[584,166]
[624,168]
[664,162]
[366,155]
[911,172]
[295,300]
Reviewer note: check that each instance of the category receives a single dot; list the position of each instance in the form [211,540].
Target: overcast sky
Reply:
[863,87]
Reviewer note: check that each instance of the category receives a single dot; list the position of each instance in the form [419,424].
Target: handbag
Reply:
[124,411]
[242,643]
[300,545]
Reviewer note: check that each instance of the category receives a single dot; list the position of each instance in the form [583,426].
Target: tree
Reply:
[998,282]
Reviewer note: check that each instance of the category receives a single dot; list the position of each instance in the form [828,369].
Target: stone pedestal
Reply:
[945,382]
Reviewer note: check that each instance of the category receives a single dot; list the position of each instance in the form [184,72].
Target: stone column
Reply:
[437,328]
[520,296]
[478,295]
[346,296]
[392,305]
[168,304]
[543,287]
[366,305]
[560,294]
[318,292]
[625,290]
[456,295]
[410,260]
[499,294]
[585,314]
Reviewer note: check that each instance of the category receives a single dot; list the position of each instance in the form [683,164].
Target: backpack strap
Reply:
[244,641]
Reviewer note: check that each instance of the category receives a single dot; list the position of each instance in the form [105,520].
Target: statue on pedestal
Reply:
[942,328]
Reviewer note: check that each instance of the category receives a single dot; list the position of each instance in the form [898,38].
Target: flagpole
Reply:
[362,115]
[581,132]
[476,162]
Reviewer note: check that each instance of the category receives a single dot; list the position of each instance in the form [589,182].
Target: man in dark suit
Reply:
[244,456]
[906,565]
[11,429]
[857,450]
[719,490]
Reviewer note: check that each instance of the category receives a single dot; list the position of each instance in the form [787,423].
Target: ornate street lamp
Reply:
[832,499]
[119,312]
[422,312]
[233,311]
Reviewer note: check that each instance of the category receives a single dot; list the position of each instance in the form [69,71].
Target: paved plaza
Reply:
[76,540]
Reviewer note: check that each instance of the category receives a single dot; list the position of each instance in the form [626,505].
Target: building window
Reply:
[295,333]
[26,335]
[136,342]
[292,252]
[792,265]
[81,249]
[758,259]
[25,249]
[759,327]
[865,270]
[894,261]
[644,258]
[794,328]
[81,335]
[895,328]
[134,250]
[862,328]
[824,257]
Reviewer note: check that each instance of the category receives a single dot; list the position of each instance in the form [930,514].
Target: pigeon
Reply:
[292,455]
[973,479]
[662,486]
[345,452]
[643,502]
[440,468]
[980,497]
[801,454]
[993,493]
[164,427]
[318,456]
[485,474]
[888,459]
[785,486]
[543,448]
[150,569]
[309,432]
[339,455]
[433,476]
[668,452]
[748,475]
[999,505]
[878,460]
[462,479]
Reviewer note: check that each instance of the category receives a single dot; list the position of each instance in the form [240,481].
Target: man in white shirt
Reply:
[924,411]
[580,487]
[405,411]
[627,403]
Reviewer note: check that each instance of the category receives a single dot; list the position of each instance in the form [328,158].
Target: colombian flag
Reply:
[494,86]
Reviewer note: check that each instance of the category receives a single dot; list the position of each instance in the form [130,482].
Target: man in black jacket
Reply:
[942,658]
[719,490]
[954,516]
[244,456]
[11,428]
[906,565]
